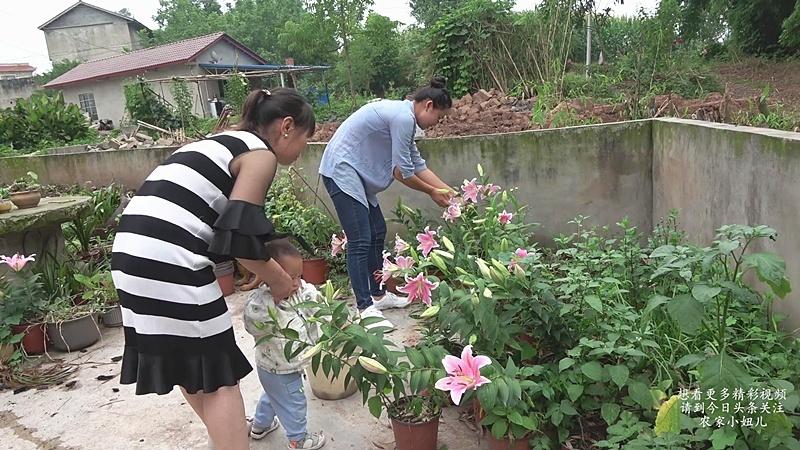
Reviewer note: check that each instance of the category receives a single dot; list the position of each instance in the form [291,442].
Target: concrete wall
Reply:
[718,174]
[601,171]
[13,89]
[85,34]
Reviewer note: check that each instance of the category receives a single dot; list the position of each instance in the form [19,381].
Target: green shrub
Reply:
[142,103]
[41,121]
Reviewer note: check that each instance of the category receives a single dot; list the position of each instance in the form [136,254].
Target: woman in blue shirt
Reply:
[369,150]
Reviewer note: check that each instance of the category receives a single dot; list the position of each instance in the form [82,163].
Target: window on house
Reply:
[87,105]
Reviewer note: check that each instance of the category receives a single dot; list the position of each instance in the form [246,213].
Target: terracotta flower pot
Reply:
[416,436]
[75,334]
[326,388]
[506,444]
[26,199]
[392,284]
[33,342]
[315,271]
[5,206]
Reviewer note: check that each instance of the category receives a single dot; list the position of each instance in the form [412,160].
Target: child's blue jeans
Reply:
[283,396]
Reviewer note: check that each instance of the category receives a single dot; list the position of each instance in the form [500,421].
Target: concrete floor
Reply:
[105,415]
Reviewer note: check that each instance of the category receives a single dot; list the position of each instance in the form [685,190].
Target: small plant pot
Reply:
[315,271]
[75,334]
[112,317]
[392,284]
[5,206]
[224,273]
[416,436]
[6,352]
[33,341]
[506,444]
[329,388]
[26,199]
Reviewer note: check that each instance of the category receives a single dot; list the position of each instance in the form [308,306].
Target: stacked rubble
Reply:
[136,141]
[484,112]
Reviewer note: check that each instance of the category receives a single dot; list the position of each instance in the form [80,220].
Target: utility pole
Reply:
[588,42]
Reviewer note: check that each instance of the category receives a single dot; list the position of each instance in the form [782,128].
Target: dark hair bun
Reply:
[438,82]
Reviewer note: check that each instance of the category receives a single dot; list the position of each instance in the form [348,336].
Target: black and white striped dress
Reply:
[177,326]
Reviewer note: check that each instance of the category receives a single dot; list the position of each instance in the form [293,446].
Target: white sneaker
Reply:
[372,311]
[391,300]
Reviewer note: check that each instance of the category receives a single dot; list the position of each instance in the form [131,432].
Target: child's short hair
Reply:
[279,248]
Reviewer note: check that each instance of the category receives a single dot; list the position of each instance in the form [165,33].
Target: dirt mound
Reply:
[324,131]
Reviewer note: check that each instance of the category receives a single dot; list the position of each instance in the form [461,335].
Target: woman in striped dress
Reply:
[203,205]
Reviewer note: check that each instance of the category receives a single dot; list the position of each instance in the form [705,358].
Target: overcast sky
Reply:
[22,41]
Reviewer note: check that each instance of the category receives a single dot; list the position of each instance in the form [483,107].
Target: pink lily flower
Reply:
[452,212]
[505,217]
[418,288]
[388,270]
[404,262]
[338,245]
[400,245]
[490,189]
[427,241]
[471,190]
[463,373]
[519,255]
[16,262]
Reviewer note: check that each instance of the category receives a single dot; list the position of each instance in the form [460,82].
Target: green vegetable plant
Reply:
[30,182]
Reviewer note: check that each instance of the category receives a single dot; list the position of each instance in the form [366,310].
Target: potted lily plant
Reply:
[25,191]
[408,384]
[5,202]
[23,304]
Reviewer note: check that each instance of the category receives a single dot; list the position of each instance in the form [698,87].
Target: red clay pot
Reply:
[392,285]
[505,444]
[415,436]
[226,284]
[315,271]
[33,342]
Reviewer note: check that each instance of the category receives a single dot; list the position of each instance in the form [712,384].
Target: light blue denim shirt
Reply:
[362,154]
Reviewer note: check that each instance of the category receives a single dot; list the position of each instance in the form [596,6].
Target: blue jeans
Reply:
[283,396]
[366,232]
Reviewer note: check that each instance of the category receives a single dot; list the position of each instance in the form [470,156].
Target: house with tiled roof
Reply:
[16,82]
[97,86]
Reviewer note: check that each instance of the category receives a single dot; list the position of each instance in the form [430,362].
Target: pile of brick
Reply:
[484,112]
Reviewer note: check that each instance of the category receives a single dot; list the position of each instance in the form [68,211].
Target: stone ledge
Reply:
[51,211]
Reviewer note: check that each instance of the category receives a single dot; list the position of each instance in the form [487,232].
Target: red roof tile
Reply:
[16,68]
[146,59]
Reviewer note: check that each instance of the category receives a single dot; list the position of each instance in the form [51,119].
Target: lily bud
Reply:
[487,293]
[448,244]
[370,365]
[430,312]
[311,351]
[480,170]
[443,254]
[519,272]
[497,277]
[484,268]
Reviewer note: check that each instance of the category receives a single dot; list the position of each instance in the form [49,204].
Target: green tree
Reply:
[59,68]
[309,39]
[375,51]
[183,19]
[790,38]
[345,17]
[256,23]
[427,12]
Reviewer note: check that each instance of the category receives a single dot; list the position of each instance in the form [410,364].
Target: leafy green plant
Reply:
[41,120]
[23,298]
[30,182]
[4,193]
[183,103]
[236,89]
[142,103]
[290,214]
